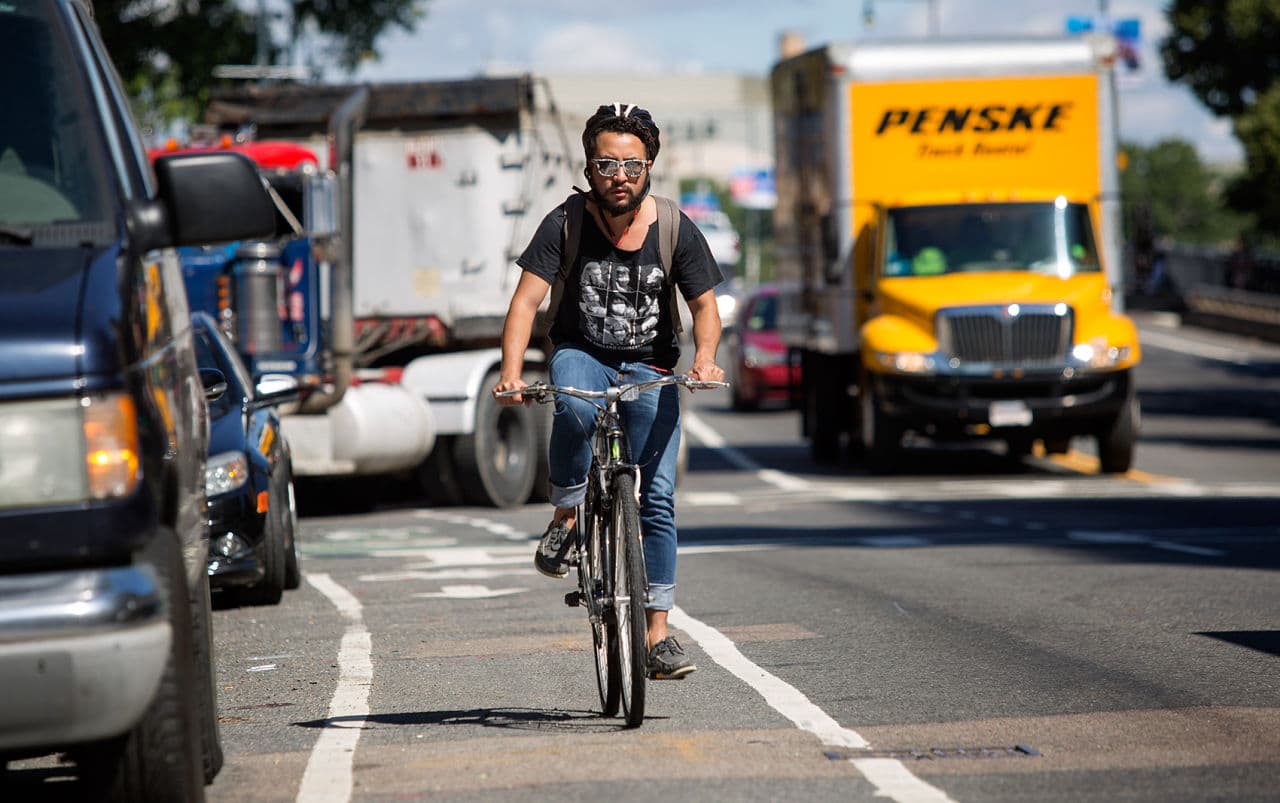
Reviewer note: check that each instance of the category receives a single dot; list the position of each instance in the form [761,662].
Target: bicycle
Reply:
[612,582]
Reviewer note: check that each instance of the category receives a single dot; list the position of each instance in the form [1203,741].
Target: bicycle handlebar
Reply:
[542,392]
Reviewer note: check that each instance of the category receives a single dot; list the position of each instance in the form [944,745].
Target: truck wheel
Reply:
[820,416]
[438,476]
[160,759]
[1057,445]
[881,437]
[1018,447]
[497,462]
[1115,443]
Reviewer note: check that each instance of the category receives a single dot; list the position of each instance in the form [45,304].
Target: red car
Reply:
[761,369]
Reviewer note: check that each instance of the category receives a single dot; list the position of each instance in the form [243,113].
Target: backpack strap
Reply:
[668,236]
[575,209]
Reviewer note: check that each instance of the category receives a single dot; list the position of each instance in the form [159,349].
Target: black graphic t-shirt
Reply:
[616,302]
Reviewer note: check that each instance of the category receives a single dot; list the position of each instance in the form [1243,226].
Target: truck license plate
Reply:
[1009,414]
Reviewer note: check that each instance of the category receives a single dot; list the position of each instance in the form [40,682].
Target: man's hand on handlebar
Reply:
[509,385]
[705,371]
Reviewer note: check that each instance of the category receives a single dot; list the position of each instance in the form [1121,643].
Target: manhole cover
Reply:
[937,753]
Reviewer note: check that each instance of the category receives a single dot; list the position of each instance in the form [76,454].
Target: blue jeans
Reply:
[652,424]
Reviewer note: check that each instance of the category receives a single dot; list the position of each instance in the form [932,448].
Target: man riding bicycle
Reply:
[616,324]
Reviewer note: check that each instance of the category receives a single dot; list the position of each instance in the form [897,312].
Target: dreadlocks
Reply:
[622,118]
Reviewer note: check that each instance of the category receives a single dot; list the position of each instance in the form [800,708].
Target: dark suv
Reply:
[105,636]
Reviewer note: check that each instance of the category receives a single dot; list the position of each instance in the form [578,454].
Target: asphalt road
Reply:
[969,629]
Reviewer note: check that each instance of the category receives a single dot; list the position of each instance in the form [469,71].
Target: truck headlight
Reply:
[225,472]
[61,451]
[906,362]
[1097,354]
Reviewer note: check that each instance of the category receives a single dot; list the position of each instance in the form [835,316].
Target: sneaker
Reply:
[552,557]
[667,660]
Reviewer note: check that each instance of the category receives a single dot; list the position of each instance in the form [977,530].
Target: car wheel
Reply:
[270,589]
[292,568]
[160,759]
[202,638]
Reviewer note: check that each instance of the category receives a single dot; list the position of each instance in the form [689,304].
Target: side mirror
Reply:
[213,197]
[275,389]
[215,384]
[320,205]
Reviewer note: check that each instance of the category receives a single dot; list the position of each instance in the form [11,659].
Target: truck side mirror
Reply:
[320,205]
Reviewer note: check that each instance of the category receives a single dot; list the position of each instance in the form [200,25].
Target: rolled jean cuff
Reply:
[662,597]
[568,497]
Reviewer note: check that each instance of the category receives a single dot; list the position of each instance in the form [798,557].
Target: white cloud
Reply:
[594,47]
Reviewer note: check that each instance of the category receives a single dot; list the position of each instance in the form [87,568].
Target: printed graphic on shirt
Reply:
[618,304]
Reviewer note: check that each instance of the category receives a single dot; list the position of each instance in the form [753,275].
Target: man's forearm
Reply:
[516,331]
[706,332]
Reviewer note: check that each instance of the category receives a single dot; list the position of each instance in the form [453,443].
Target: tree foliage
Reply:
[355,25]
[1171,194]
[1227,53]
[166,50]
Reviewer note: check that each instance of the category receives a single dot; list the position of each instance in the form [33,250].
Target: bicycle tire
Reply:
[592,582]
[629,622]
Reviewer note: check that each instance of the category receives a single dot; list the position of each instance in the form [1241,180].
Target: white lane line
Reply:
[1185,345]
[1189,549]
[891,777]
[1109,538]
[328,777]
[704,433]
[893,780]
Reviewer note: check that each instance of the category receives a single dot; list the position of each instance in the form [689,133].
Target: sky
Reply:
[464,38]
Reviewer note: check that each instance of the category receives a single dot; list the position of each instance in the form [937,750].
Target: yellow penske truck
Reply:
[950,211]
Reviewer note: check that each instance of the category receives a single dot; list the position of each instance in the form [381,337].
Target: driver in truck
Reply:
[617,324]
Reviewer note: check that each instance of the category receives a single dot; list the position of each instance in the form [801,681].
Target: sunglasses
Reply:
[609,167]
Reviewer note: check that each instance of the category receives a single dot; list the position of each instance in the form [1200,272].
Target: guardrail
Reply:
[1241,312]
[1195,282]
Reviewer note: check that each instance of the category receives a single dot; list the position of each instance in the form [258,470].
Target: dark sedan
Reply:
[253,555]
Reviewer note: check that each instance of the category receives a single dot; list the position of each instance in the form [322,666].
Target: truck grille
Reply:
[1013,334]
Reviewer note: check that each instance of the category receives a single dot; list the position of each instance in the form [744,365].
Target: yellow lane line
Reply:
[1088,464]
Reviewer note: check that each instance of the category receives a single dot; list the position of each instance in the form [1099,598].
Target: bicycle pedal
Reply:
[573,599]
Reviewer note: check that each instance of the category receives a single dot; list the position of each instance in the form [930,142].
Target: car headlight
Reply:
[906,362]
[225,472]
[59,451]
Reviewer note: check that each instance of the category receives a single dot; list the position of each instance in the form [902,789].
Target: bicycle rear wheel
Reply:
[592,580]
[629,594]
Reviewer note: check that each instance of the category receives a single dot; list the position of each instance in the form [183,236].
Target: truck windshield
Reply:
[51,159]
[1054,238]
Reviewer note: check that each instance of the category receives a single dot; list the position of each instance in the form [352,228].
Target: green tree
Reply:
[1170,193]
[166,51]
[1226,53]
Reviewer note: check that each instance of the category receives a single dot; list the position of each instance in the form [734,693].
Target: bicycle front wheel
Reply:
[592,580]
[629,586]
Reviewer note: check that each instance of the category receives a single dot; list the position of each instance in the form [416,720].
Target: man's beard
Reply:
[613,208]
